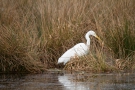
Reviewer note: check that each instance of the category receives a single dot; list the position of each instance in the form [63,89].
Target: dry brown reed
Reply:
[35,33]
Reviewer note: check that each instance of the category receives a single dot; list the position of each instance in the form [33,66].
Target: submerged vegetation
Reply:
[35,33]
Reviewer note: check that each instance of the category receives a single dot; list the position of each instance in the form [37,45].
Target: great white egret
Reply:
[79,49]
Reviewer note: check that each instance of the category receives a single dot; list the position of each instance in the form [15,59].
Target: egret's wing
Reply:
[66,56]
[81,49]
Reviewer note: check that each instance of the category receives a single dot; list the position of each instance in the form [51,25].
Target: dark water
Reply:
[68,81]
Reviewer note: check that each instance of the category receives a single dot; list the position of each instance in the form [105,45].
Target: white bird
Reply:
[79,49]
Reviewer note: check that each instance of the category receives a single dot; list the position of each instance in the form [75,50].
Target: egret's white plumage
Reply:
[79,49]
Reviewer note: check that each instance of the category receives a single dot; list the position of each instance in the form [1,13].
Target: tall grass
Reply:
[35,33]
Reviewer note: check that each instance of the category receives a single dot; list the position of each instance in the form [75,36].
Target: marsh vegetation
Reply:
[35,33]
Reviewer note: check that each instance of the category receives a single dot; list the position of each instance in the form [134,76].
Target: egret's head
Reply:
[93,34]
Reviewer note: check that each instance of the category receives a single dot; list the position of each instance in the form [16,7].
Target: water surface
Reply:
[68,81]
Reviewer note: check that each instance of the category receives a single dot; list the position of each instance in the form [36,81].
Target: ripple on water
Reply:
[67,81]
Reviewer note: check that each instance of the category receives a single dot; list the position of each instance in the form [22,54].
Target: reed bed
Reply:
[35,33]
[95,61]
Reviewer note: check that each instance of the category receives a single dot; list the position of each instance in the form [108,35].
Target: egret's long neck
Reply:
[88,39]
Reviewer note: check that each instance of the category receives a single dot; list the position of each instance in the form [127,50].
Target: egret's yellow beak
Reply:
[98,38]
